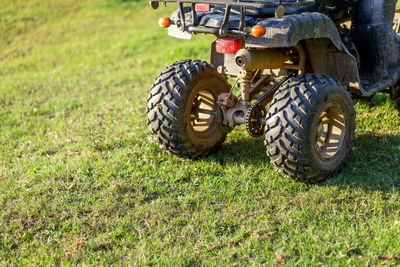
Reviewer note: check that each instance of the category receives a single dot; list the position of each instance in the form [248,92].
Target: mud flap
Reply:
[174,31]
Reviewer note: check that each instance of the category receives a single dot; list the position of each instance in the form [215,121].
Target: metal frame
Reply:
[223,30]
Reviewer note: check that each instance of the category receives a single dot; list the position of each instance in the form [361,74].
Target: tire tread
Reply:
[166,102]
[284,136]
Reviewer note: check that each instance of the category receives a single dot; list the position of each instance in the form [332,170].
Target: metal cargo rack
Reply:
[223,30]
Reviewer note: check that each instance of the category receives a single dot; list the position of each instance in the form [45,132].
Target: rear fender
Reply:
[325,58]
[289,30]
[319,34]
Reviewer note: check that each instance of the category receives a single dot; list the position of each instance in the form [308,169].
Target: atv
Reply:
[287,69]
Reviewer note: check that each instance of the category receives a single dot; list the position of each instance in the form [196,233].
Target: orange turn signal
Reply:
[257,31]
[164,22]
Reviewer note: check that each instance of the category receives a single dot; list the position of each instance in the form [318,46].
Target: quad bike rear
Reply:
[297,66]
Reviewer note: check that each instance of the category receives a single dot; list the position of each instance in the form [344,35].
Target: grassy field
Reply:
[81,182]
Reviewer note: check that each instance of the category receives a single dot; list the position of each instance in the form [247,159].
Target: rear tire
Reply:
[182,110]
[310,127]
[395,95]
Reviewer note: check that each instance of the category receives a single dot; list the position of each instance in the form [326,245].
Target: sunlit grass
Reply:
[82,182]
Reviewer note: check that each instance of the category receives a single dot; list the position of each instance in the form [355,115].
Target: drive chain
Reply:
[260,105]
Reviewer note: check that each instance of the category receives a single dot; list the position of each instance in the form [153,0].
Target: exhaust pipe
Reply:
[260,59]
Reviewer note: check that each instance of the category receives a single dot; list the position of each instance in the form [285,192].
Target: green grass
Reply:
[81,182]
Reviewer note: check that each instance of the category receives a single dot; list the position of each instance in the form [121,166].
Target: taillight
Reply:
[229,45]
[202,7]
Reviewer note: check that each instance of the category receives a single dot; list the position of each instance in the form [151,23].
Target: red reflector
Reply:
[229,45]
[202,7]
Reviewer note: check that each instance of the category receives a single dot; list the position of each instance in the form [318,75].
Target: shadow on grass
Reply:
[373,165]
[246,151]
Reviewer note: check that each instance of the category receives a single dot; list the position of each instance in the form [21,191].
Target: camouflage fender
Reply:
[327,53]
[289,30]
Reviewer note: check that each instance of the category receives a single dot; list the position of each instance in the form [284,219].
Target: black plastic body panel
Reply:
[336,10]
[215,20]
[377,44]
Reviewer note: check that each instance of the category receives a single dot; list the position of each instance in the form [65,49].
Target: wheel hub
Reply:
[203,111]
[330,131]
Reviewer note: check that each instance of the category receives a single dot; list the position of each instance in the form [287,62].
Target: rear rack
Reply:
[223,30]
